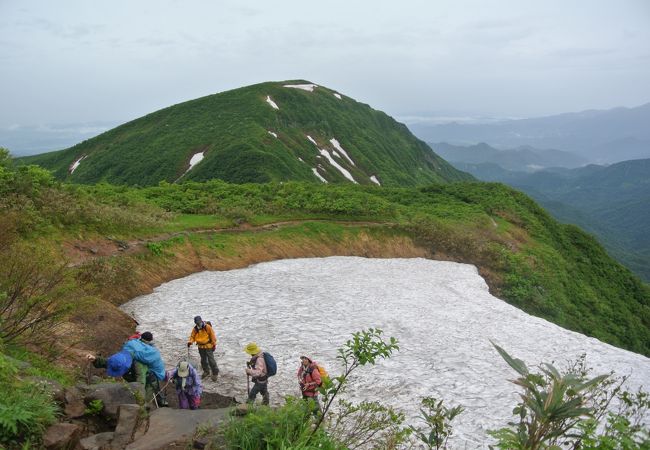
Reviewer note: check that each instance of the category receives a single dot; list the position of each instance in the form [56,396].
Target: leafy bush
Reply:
[34,292]
[25,408]
[567,410]
[94,407]
[437,423]
[287,427]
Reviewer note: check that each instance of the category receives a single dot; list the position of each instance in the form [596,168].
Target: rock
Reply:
[201,442]
[176,426]
[61,436]
[240,410]
[74,405]
[126,423]
[53,386]
[96,441]
[113,395]
[20,365]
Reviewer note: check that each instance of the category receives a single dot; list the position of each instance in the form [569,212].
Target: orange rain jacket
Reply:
[204,337]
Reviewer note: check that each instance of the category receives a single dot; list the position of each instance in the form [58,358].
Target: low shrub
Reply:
[26,409]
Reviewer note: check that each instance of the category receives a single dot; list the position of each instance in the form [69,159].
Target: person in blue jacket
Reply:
[139,360]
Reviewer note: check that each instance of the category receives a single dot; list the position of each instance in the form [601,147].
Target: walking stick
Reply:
[248,379]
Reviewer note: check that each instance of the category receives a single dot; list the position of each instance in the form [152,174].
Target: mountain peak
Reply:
[273,131]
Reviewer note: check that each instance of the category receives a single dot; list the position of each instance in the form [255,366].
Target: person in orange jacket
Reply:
[206,340]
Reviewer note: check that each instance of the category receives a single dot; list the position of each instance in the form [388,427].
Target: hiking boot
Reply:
[205,374]
[214,377]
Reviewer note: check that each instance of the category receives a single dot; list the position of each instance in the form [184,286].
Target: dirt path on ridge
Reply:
[80,252]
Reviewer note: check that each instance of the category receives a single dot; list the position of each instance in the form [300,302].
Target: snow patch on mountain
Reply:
[273,134]
[375,180]
[337,146]
[442,313]
[304,87]
[337,95]
[195,159]
[271,102]
[75,164]
[311,139]
[341,169]
[313,169]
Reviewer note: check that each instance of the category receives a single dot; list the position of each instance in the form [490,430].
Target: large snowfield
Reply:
[441,313]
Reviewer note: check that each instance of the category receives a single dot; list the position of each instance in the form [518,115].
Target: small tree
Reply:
[34,292]
[367,424]
[364,348]
[5,158]
[437,418]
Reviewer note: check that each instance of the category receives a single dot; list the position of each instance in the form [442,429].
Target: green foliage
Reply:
[555,406]
[365,347]
[437,419]
[5,158]
[34,293]
[624,429]
[367,425]
[26,409]
[94,407]
[286,427]
[155,248]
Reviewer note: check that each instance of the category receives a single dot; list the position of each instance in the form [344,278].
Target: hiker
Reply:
[205,339]
[138,361]
[188,385]
[309,380]
[257,370]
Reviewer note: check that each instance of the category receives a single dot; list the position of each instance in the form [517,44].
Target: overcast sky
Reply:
[83,61]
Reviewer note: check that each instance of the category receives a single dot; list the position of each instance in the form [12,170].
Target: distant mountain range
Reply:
[276,131]
[612,202]
[598,136]
[524,158]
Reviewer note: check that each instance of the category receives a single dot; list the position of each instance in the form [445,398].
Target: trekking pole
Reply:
[248,386]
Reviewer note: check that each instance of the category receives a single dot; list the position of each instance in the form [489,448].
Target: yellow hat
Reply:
[252,349]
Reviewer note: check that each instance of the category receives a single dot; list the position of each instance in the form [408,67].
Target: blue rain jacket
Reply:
[147,355]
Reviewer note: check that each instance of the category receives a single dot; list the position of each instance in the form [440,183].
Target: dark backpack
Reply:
[271,366]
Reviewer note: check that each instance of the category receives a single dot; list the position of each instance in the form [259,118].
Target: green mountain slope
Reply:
[612,202]
[528,259]
[243,137]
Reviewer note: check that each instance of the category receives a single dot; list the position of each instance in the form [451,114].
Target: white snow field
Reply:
[441,312]
[271,102]
[275,135]
[195,159]
[375,180]
[75,164]
[318,175]
[304,87]
[337,146]
[337,95]
[340,168]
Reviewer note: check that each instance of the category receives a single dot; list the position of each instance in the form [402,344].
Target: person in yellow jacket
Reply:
[205,339]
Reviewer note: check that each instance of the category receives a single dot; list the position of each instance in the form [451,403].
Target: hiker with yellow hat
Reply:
[256,368]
